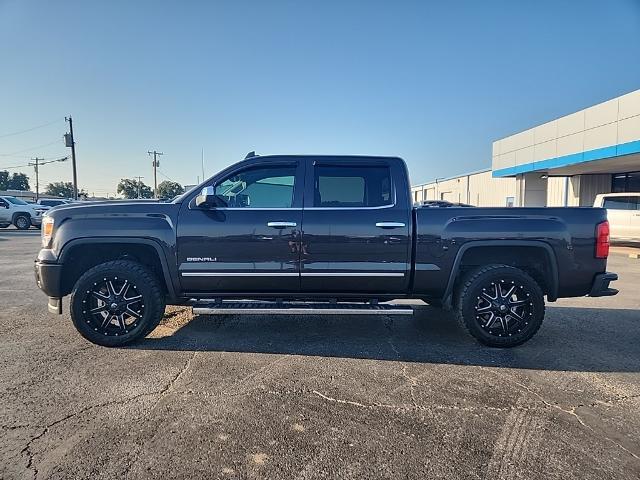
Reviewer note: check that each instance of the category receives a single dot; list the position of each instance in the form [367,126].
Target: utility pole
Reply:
[156,164]
[70,142]
[37,162]
[35,167]
[139,184]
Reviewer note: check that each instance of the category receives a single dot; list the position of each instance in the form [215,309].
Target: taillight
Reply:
[602,240]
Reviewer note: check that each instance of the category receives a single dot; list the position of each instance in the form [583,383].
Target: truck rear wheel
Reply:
[500,305]
[117,303]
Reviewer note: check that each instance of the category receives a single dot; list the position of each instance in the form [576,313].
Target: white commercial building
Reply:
[564,162]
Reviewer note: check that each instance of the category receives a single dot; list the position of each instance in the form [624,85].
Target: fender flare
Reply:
[171,290]
[552,295]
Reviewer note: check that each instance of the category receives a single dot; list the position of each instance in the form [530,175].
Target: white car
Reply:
[623,213]
[20,213]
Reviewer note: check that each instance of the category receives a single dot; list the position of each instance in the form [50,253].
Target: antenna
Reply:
[202,162]
[250,154]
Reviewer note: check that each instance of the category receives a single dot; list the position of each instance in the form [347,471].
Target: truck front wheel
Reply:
[117,303]
[22,222]
[500,305]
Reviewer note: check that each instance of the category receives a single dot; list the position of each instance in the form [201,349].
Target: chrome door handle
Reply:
[390,225]
[281,224]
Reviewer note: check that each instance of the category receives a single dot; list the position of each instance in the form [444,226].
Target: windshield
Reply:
[16,201]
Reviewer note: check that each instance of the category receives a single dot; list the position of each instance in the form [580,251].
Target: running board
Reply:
[298,308]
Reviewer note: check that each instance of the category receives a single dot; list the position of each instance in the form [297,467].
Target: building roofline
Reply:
[438,180]
[562,116]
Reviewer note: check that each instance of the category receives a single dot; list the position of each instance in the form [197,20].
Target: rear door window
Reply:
[352,186]
[621,203]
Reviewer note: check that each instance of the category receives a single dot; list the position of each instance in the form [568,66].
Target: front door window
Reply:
[270,187]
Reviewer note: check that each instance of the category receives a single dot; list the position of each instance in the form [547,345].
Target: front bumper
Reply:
[36,221]
[49,278]
[600,287]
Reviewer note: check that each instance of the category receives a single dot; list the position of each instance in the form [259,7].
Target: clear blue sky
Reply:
[433,82]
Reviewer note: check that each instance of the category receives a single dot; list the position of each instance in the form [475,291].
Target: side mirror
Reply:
[208,199]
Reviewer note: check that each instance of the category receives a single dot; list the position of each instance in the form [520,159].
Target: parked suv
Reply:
[623,212]
[20,213]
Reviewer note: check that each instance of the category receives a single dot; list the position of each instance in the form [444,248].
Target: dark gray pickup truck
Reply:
[316,235]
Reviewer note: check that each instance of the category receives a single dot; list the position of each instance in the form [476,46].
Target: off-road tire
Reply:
[144,283]
[471,290]
[22,221]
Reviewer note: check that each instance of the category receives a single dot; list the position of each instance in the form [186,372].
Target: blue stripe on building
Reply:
[573,159]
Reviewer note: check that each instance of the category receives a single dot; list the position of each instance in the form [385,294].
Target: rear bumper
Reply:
[600,287]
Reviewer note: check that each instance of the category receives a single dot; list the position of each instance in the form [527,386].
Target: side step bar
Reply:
[298,308]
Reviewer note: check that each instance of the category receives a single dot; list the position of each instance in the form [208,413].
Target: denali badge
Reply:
[202,259]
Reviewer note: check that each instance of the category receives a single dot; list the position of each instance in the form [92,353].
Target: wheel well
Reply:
[80,258]
[533,260]
[20,214]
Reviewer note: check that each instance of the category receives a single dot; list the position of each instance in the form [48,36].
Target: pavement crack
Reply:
[412,381]
[27,451]
[170,387]
[14,427]
[416,407]
[350,402]
[572,412]
[45,429]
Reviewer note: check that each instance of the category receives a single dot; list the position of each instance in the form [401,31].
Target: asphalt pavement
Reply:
[318,397]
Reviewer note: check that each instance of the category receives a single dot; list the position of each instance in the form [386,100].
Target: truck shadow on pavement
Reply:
[571,339]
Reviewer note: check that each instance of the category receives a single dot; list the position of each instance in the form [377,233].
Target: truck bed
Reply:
[448,238]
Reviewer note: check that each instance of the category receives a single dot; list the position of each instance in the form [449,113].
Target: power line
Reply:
[29,157]
[28,165]
[165,175]
[28,149]
[29,129]
[15,166]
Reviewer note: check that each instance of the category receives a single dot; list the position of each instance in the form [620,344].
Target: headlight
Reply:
[47,230]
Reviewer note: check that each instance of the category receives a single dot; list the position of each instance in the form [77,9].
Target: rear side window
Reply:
[352,187]
[621,203]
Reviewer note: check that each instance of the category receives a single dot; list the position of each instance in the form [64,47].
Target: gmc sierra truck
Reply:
[316,235]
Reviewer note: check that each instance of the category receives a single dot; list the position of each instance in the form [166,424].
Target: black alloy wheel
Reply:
[116,303]
[113,306]
[503,308]
[500,305]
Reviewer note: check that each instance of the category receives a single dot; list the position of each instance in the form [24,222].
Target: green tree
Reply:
[18,181]
[60,189]
[4,180]
[132,188]
[169,189]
